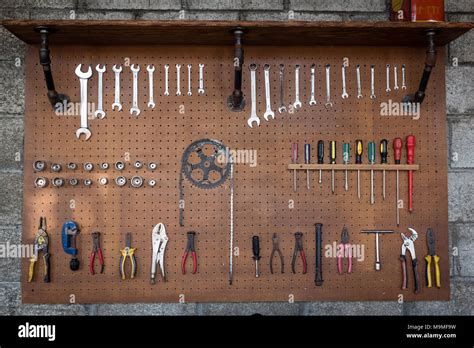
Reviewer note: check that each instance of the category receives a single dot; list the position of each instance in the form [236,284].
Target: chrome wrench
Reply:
[201,79]
[178,79]
[100,113]
[134,108]
[190,92]
[312,100]
[297,103]
[344,94]
[83,78]
[403,77]
[167,91]
[372,82]
[268,112]
[395,77]
[359,86]
[282,107]
[328,87]
[151,102]
[253,94]
[117,103]
[388,89]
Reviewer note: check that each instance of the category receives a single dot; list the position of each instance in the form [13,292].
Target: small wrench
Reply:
[312,100]
[134,108]
[190,92]
[117,103]
[178,79]
[83,78]
[388,89]
[344,94]
[395,77]
[282,107]
[359,86]
[150,69]
[201,79]
[372,82]
[100,113]
[297,103]
[403,77]
[253,94]
[328,87]
[268,112]
[167,68]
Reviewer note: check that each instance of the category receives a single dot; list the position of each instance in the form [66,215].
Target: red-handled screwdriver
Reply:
[410,160]
[397,154]
[294,160]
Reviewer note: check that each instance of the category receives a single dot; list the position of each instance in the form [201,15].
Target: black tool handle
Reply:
[47,268]
[256,248]
[318,278]
[416,276]
[320,152]
[383,151]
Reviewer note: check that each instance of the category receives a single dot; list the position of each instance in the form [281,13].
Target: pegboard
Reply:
[263,193]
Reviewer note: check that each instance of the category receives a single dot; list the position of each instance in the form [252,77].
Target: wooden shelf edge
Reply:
[388,167]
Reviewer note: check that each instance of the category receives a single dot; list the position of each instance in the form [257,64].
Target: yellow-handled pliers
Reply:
[128,251]
[40,245]
[432,258]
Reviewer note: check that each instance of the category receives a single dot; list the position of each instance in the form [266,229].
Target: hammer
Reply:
[378,264]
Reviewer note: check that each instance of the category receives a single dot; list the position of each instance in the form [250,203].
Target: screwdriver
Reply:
[332,158]
[307,160]
[345,158]
[320,158]
[371,158]
[359,149]
[294,160]
[256,254]
[397,154]
[410,160]
[383,160]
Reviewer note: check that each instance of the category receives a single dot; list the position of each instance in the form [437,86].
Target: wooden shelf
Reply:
[278,33]
[354,167]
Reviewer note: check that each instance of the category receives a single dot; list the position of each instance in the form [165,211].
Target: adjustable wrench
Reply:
[178,79]
[117,103]
[297,103]
[395,77]
[134,108]
[328,87]
[359,86]
[167,68]
[100,113]
[150,69]
[268,112]
[201,79]
[372,82]
[282,107]
[312,100]
[253,94]
[190,92]
[344,94]
[388,89]
[403,77]
[83,78]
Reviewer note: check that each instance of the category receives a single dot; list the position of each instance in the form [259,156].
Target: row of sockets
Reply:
[40,166]
[136,182]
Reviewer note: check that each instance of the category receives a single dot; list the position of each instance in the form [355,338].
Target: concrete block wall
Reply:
[460,123]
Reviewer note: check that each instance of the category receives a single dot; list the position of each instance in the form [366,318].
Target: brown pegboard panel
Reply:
[262,193]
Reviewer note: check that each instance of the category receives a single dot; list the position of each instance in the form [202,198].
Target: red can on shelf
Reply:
[427,10]
[400,11]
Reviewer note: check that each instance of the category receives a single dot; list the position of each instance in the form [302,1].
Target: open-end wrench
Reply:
[100,113]
[268,112]
[253,94]
[117,103]
[403,77]
[312,100]
[297,104]
[282,107]
[134,108]
[344,94]
[201,79]
[167,72]
[328,87]
[83,78]
[359,86]
[151,102]
[178,79]
[372,82]
[395,77]
[190,92]
[388,89]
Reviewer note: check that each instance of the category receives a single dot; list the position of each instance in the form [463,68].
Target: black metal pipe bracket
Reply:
[54,97]
[430,63]
[236,101]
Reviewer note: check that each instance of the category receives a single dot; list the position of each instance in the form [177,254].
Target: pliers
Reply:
[276,249]
[432,258]
[40,245]
[96,250]
[344,249]
[129,252]
[189,249]
[298,249]
[159,240]
[408,244]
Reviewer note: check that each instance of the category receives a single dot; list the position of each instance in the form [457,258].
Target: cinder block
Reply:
[10,266]
[42,13]
[459,90]
[462,48]
[462,137]
[12,85]
[11,199]
[50,310]
[247,309]
[106,15]
[13,3]
[339,6]
[160,15]
[211,15]
[11,47]
[461,196]
[350,308]
[147,309]
[60,4]
[8,13]
[235,4]
[10,296]
[287,15]
[459,6]
[129,5]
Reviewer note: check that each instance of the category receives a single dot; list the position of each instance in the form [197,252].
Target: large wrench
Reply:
[297,103]
[83,78]
[359,86]
[178,79]
[282,107]
[395,77]
[344,94]
[372,82]
[328,87]
[167,91]
[151,102]
[253,94]
[134,108]
[268,112]
[201,79]
[312,100]
[190,92]
[388,89]
[117,103]
[100,108]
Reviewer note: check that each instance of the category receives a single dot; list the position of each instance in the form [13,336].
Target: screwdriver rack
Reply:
[366,167]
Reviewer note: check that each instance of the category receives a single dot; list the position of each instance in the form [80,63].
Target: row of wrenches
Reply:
[297,104]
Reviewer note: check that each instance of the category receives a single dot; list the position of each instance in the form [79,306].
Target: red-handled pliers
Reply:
[344,249]
[96,250]
[189,248]
[298,249]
